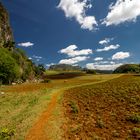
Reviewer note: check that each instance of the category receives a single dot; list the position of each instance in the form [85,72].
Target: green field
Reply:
[82,103]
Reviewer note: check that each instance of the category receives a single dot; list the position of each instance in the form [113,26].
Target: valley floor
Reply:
[81,108]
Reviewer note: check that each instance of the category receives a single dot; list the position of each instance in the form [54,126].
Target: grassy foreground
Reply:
[21,105]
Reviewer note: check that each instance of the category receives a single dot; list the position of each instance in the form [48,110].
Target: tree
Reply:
[128,68]
[90,71]
[9,44]
[9,70]
[39,70]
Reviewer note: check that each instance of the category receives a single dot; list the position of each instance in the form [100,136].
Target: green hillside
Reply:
[14,64]
[128,68]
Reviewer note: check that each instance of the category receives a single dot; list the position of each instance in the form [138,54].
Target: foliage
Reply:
[128,68]
[99,123]
[136,130]
[28,71]
[91,72]
[40,70]
[46,80]
[14,64]
[95,137]
[135,133]
[6,134]
[74,108]
[26,65]
[9,70]
[65,75]
[64,67]
[134,118]
[9,44]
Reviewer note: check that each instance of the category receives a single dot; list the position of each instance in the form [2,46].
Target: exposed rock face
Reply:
[5,29]
[14,64]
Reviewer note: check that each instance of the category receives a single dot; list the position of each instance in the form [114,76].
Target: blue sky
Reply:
[91,33]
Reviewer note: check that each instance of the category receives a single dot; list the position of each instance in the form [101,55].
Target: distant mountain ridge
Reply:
[128,68]
[64,67]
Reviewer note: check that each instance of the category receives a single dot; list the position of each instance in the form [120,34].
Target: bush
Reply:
[9,70]
[40,70]
[128,68]
[46,81]
[9,44]
[74,107]
[134,118]
[99,123]
[91,72]
[6,134]
[135,132]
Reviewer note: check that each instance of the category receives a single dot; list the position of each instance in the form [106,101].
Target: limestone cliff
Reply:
[5,29]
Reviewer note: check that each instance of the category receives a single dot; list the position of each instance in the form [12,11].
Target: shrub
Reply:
[46,81]
[115,134]
[9,44]
[95,137]
[9,70]
[40,70]
[100,123]
[135,132]
[6,134]
[73,107]
[128,68]
[91,72]
[134,118]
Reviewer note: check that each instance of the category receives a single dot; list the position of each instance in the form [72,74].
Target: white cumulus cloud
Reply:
[77,9]
[122,11]
[37,57]
[88,22]
[30,58]
[72,52]
[73,60]
[26,44]
[48,65]
[120,55]
[103,66]
[98,58]
[105,41]
[103,62]
[110,47]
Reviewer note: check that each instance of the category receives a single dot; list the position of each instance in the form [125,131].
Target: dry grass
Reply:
[21,105]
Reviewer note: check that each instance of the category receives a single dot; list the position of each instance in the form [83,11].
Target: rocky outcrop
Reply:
[5,29]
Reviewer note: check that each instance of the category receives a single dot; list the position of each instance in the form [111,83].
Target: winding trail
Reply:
[37,132]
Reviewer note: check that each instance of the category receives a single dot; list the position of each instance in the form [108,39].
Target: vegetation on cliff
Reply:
[14,64]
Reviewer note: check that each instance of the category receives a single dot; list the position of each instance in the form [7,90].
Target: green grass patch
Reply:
[18,111]
[6,134]
[134,118]
[74,107]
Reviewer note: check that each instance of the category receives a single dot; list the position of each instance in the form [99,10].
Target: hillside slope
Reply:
[5,29]
[128,68]
[14,64]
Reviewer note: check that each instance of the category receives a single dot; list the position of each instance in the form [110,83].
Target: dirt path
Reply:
[37,131]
